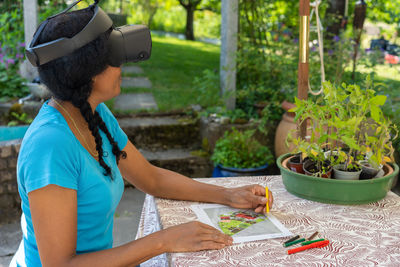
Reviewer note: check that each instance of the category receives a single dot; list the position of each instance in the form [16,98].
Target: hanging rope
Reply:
[315,6]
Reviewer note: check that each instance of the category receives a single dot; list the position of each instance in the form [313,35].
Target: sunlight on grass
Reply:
[172,67]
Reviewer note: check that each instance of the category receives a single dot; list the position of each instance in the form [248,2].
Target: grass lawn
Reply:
[172,67]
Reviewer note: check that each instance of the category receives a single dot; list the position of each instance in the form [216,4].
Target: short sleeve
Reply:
[50,157]
[112,125]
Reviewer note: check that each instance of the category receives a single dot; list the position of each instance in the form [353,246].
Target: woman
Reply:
[72,161]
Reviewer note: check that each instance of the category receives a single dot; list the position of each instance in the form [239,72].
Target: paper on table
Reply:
[243,225]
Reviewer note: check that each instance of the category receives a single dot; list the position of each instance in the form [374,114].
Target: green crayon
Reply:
[294,242]
[312,241]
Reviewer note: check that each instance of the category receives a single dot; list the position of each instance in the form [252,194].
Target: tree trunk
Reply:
[189,33]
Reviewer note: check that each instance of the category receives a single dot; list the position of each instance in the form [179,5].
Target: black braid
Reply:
[115,149]
[79,100]
[70,78]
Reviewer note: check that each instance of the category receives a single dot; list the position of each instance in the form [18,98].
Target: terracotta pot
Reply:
[295,166]
[287,106]
[285,126]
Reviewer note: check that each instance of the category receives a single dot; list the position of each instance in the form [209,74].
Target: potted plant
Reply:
[341,121]
[295,163]
[378,149]
[240,154]
[346,125]
[315,160]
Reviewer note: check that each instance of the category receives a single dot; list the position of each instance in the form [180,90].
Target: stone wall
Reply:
[10,203]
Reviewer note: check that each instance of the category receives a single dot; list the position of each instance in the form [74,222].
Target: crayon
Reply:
[313,245]
[292,239]
[312,236]
[294,242]
[312,241]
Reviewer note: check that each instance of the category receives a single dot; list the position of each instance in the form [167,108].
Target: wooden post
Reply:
[302,81]
[229,33]
[30,25]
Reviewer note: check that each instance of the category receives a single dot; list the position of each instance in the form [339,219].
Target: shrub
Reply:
[240,150]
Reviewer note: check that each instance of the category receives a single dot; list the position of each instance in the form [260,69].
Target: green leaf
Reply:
[376,113]
[378,100]
[323,138]
[350,142]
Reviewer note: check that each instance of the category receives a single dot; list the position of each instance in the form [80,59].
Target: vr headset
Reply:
[129,43]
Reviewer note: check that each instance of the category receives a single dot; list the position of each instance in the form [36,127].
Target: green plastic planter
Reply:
[336,191]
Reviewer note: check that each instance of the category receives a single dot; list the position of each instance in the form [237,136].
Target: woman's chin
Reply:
[117,92]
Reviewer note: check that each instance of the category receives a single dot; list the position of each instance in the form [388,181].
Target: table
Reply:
[360,235]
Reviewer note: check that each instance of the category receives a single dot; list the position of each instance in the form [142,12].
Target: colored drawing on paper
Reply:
[242,224]
[234,222]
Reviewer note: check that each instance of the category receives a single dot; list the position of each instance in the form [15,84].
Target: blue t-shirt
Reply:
[51,154]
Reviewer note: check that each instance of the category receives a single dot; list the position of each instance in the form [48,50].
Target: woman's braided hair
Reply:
[69,78]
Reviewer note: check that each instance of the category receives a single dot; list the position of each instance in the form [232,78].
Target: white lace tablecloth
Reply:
[360,235]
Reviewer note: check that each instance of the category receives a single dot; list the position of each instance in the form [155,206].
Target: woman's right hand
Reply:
[194,236]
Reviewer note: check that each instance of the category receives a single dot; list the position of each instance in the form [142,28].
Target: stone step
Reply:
[132,70]
[161,133]
[180,160]
[136,82]
[135,101]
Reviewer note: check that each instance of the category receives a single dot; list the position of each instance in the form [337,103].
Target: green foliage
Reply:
[385,10]
[346,118]
[167,15]
[11,51]
[172,20]
[12,33]
[19,119]
[11,83]
[16,116]
[207,24]
[267,56]
[54,7]
[337,56]
[207,87]
[266,76]
[240,150]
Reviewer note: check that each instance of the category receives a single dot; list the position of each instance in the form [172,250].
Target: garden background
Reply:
[184,67]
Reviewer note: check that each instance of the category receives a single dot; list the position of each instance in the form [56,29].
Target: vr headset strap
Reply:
[46,52]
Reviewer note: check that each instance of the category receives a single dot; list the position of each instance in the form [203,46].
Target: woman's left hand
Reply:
[249,197]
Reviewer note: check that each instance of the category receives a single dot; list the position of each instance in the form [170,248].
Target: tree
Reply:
[190,7]
[149,8]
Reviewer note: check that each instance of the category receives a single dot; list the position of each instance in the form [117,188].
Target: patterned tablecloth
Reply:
[360,235]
